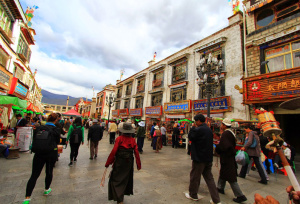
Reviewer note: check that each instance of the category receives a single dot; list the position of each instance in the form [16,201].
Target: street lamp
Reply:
[210,73]
[110,99]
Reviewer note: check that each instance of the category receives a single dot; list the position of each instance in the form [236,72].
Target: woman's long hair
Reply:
[78,121]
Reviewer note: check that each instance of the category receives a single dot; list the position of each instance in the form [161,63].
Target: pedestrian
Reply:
[121,178]
[175,136]
[228,172]
[42,159]
[140,134]
[67,124]
[157,141]
[95,134]
[75,136]
[112,132]
[202,156]
[163,135]
[21,122]
[254,153]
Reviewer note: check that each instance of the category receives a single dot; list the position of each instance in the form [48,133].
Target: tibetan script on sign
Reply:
[123,111]
[179,107]
[217,105]
[136,112]
[115,112]
[154,110]
[272,87]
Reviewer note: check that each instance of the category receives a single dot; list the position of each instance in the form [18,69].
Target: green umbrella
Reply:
[16,107]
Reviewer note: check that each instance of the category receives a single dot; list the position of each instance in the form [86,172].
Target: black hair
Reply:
[35,119]
[251,127]
[58,114]
[199,117]
[4,132]
[18,115]
[78,121]
[52,117]
[154,123]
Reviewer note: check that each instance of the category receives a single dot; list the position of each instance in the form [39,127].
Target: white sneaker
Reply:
[187,195]
[212,202]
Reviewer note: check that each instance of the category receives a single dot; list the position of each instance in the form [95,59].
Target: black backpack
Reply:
[76,135]
[43,141]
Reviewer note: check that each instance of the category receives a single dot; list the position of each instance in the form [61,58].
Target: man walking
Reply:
[202,156]
[140,134]
[95,135]
[112,132]
[228,172]
[163,135]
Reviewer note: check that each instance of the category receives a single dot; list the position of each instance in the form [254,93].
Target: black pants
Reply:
[39,160]
[74,151]
[140,143]
[174,141]
[112,136]
[259,167]
[164,140]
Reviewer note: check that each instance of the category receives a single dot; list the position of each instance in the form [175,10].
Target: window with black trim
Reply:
[127,104]
[23,49]
[141,85]
[156,99]
[139,102]
[179,71]
[4,57]
[117,105]
[119,93]
[178,94]
[158,79]
[128,89]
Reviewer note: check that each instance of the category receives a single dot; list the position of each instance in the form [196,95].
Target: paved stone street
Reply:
[163,179]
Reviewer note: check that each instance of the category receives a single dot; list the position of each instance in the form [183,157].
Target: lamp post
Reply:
[110,99]
[210,73]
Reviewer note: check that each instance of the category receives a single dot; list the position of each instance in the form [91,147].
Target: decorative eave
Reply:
[157,90]
[27,35]
[173,86]
[128,81]
[186,55]
[140,75]
[157,68]
[212,43]
[257,5]
[138,95]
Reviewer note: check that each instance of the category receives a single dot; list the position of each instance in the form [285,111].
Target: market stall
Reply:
[153,114]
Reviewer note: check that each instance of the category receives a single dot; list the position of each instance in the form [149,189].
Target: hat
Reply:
[126,128]
[156,127]
[285,144]
[95,121]
[142,124]
[128,121]
[226,122]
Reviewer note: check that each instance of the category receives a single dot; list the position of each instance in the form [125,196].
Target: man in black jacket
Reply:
[202,156]
[95,135]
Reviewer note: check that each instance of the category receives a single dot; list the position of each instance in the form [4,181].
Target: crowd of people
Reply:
[130,143]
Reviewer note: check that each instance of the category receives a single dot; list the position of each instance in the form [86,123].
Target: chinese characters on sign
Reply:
[154,110]
[183,106]
[123,111]
[272,86]
[221,104]
[136,112]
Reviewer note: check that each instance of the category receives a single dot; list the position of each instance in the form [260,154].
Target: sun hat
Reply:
[95,121]
[126,128]
[156,127]
[142,124]
[226,122]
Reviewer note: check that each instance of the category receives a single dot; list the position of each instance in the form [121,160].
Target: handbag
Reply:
[254,142]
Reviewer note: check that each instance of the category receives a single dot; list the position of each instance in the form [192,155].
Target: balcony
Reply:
[140,88]
[157,83]
[7,34]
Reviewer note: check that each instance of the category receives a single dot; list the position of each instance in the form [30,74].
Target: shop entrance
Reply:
[289,123]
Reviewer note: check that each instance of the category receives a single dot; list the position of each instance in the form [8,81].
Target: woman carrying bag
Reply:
[121,178]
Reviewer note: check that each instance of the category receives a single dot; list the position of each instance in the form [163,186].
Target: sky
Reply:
[82,44]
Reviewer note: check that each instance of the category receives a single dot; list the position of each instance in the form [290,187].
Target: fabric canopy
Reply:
[71,112]
[10,100]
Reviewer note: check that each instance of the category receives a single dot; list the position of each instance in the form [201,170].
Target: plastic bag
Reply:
[242,158]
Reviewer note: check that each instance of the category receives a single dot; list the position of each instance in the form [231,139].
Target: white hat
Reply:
[142,124]
[156,127]
[226,122]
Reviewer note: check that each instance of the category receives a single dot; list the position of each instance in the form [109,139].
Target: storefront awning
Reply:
[175,116]
[10,100]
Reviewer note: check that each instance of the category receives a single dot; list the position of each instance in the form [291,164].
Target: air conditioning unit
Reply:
[286,11]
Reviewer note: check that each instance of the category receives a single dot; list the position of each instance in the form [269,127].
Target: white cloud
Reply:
[86,43]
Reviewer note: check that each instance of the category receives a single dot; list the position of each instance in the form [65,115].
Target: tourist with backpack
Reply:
[44,145]
[75,137]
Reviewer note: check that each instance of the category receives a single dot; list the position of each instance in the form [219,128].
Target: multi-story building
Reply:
[102,108]
[53,108]
[171,90]
[273,61]
[16,38]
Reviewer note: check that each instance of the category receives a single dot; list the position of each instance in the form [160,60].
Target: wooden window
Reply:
[156,99]
[139,102]
[3,58]
[141,86]
[5,22]
[178,94]
[117,106]
[19,73]
[179,71]
[158,79]
[128,89]
[127,104]
[283,57]
[23,49]
[119,93]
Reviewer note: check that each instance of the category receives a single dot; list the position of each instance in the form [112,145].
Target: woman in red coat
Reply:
[121,178]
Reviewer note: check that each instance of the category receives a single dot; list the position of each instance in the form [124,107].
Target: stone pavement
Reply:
[163,179]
